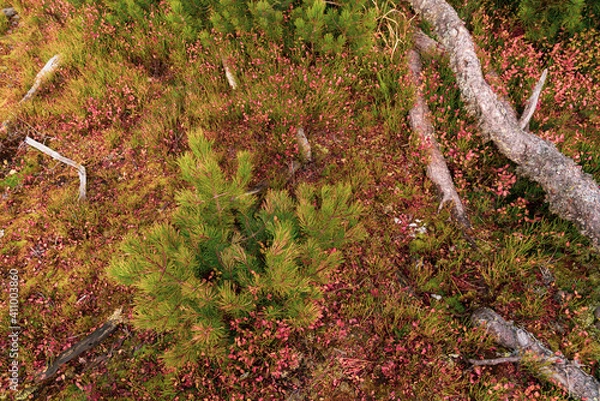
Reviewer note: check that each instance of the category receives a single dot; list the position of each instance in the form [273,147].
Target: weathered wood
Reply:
[229,74]
[425,44]
[99,335]
[532,102]
[437,170]
[552,366]
[48,69]
[303,145]
[80,169]
[495,361]
[9,12]
[570,193]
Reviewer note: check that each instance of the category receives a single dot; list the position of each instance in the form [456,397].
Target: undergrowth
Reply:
[139,76]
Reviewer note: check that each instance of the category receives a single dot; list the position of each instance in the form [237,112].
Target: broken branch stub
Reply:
[229,74]
[55,155]
[552,365]
[570,193]
[532,102]
[303,145]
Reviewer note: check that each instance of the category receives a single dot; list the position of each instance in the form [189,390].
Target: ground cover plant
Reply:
[140,78]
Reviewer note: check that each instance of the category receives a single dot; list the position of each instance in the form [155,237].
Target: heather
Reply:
[387,317]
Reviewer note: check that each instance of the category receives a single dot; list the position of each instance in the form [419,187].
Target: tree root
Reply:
[552,366]
[437,170]
[571,193]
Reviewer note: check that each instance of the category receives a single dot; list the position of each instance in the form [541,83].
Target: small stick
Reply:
[9,12]
[80,169]
[532,101]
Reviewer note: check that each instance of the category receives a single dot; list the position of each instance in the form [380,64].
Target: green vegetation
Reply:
[225,258]
[269,295]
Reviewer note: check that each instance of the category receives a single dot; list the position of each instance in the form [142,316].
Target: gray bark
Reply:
[571,194]
[9,12]
[553,366]
[437,170]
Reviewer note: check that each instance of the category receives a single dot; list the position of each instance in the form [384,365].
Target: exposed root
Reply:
[552,366]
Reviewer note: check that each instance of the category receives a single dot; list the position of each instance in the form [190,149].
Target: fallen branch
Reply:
[425,44]
[48,69]
[99,335]
[571,194]
[437,170]
[80,169]
[552,366]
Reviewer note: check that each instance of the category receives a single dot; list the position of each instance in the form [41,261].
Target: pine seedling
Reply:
[225,256]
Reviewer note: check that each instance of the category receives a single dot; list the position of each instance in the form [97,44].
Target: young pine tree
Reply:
[225,256]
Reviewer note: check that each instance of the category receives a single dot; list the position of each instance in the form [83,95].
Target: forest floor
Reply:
[395,316]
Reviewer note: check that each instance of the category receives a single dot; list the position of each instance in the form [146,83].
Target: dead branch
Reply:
[495,361]
[571,194]
[552,366]
[48,69]
[99,335]
[55,155]
[437,170]
[532,102]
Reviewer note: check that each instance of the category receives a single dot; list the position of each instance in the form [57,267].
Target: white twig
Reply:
[229,74]
[49,68]
[532,101]
[80,169]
